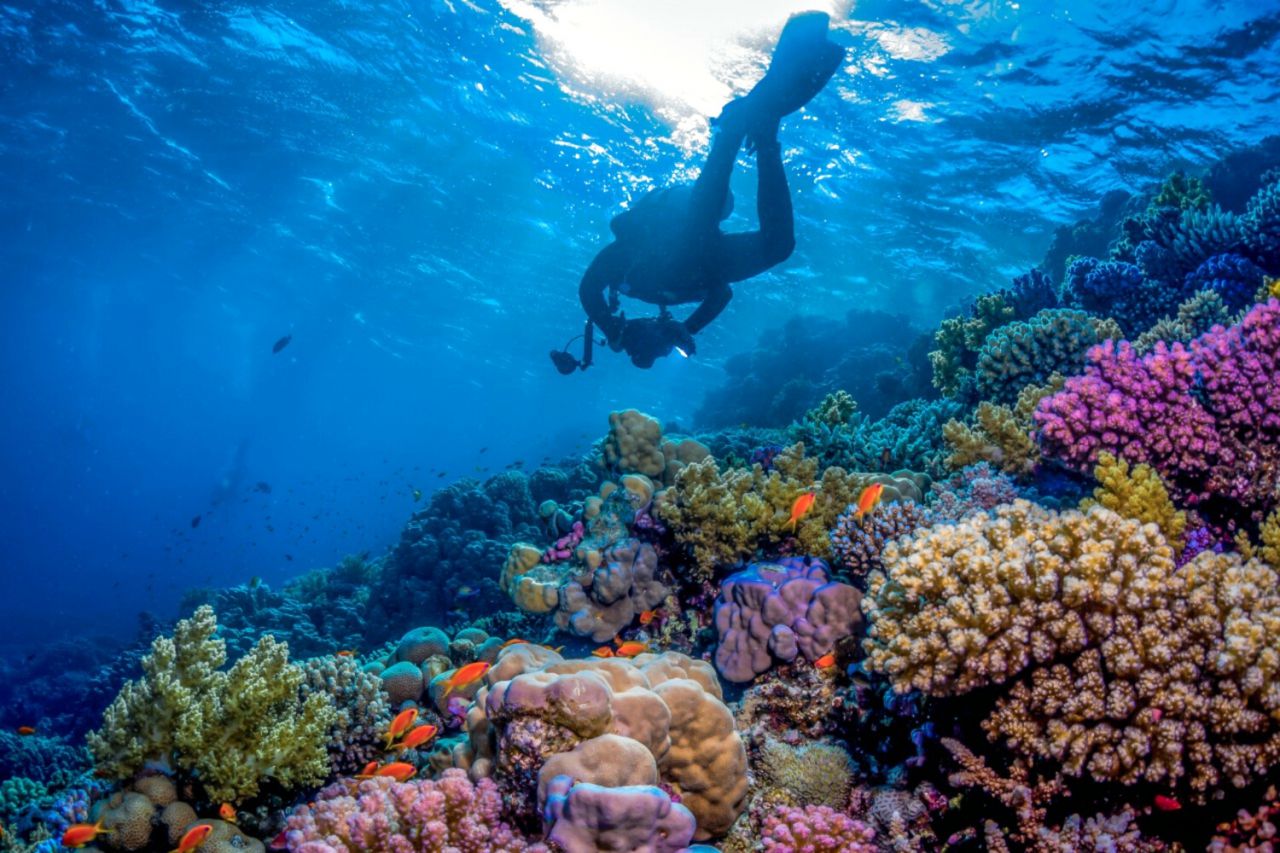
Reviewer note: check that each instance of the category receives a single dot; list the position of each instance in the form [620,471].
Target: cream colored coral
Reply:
[235,729]
[532,586]
[1138,493]
[668,703]
[633,445]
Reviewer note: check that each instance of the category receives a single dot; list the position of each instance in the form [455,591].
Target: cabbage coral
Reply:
[232,728]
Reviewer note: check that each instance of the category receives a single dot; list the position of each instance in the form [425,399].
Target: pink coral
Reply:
[816,829]
[381,815]
[1205,416]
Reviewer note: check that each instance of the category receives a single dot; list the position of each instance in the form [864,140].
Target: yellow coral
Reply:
[234,729]
[726,516]
[1138,493]
[1000,435]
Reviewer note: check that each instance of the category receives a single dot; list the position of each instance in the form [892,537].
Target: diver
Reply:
[669,249]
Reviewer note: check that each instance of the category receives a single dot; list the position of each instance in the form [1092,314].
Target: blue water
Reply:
[411,190]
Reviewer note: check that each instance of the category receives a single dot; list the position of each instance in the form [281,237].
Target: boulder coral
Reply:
[1117,664]
[635,445]
[536,705]
[233,729]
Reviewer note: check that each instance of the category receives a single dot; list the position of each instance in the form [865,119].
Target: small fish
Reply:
[401,771]
[401,724]
[465,591]
[603,652]
[484,450]
[289,557]
[802,505]
[195,521]
[255,582]
[417,495]
[647,616]
[514,641]
[263,487]
[469,674]
[885,459]
[631,649]
[227,812]
[556,649]
[281,344]
[1166,804]
[417,737]
[193,838]
[346,653]
[368,771]
[1273,288]
[26,731]
[280,842]
[826,661]
[442,474]
[80,834]
[868,500]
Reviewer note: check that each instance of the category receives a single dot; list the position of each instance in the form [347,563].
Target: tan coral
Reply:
[535,705]
[533,587]
[633,445]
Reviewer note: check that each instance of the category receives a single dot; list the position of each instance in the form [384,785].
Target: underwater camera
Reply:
[563,359]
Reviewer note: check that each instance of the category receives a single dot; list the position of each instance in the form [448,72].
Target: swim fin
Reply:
[803,61]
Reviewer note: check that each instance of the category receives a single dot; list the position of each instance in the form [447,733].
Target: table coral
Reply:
[1205,416]
[381,815]
[234,729]
[1051,602]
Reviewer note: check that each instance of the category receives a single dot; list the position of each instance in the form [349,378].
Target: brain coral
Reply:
[1118,664]
[235,728]
[535,705]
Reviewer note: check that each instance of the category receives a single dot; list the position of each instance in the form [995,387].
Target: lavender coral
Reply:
[381,815]
[1205,416]
[816,829]
[777,611]
[589,818]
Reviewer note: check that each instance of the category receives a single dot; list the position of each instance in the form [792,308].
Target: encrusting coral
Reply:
[232,729]
[1050,601]
[1137,493]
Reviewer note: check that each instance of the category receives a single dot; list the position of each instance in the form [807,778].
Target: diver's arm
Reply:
[710,308]
[606,269]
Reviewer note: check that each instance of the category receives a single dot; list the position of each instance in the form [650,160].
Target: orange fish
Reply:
[401,724]
[401,771]
[469,674]
[346,653]
[368,771]
[603,652]
[514,641]
[193,838]
[631,649]
[227,812]
[80,834]
[556,649]
[647,616]
[868,500]
[826,661]
[26,731]
[803,504]
[417,737]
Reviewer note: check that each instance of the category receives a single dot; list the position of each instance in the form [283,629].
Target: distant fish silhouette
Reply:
[263,487]
[281,344]
[195,522]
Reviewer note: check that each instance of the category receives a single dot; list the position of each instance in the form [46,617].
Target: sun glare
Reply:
[681,58]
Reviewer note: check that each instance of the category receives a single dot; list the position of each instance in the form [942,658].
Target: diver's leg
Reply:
[745,255]
[712,186]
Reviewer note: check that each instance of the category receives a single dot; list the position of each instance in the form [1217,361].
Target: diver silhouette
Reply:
[669,249]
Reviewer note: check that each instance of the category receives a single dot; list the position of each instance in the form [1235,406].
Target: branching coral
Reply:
[1051,602]
[815,829]
[856,543]
[1001,435]
[958,340]
[1138,494]
[1205,416]
[361,710]
[234,729]
[724,517]
[1029,352]
[1197,315]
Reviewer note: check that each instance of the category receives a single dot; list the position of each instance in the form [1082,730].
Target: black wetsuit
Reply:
[691,259]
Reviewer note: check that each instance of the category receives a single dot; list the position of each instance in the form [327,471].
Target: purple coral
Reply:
[586,818]
[1205,416]
[816,829]
[779,610]
[974,488]
[381,815]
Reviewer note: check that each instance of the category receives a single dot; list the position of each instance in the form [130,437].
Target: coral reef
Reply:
[1000,435]
[856,543]
[1031,352]
[1197,315]
[909,437]
[234,729]
[587,818]
[635,445]
[816,829]
[381,814]
[959,339]
[776,611]
[1138,494]
[1206,417]
[817,773]
[361,710]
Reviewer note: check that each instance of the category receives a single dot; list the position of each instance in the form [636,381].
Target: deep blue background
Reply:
[407,189]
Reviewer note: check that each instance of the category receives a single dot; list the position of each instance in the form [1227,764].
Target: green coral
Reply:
[1197,315]
[1029,352]
[16,794]
[232,729]
[1179,191]
[723,517]
[1000,435]
[1137,493]
[816,774]
[958,340]
[835,409]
